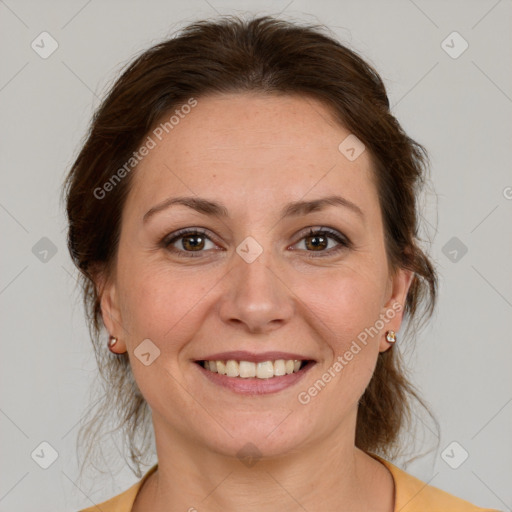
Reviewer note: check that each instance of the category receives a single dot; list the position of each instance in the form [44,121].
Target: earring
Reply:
[391,336]
[111,342]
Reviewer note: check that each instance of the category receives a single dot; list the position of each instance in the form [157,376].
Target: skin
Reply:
[255,154]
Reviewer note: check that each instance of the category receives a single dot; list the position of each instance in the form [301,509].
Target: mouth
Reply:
[249,369]
[254,374]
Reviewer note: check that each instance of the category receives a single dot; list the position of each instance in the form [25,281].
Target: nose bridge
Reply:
[256,295]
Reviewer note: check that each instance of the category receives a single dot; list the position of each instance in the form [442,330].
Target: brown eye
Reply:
[187,241]
[193,242]
[319,240]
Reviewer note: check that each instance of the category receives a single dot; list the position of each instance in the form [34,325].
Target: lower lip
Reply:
[255,386]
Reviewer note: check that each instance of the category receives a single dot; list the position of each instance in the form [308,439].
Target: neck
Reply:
[332,475]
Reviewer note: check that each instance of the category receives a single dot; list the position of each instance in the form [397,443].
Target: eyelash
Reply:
[344,242]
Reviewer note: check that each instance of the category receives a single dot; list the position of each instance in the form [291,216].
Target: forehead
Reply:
[259,145]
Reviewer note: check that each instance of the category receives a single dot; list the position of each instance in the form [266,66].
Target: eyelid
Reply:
[182,233]
[312,230]
[342,240]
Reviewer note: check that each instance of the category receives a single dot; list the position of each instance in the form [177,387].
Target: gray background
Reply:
[459,108]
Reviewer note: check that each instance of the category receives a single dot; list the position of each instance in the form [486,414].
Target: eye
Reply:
[187,241]
[317,240]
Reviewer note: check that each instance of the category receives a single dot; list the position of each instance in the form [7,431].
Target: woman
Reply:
[244,216]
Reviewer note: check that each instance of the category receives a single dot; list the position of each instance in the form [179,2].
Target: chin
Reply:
[274,435]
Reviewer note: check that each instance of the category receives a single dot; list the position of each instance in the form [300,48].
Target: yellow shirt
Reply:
[411,495]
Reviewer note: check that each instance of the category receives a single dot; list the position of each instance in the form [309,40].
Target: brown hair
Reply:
[231,55]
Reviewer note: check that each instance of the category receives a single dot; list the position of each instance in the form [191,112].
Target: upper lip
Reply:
[242,355]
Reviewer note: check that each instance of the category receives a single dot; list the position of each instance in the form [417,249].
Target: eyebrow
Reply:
[293,209]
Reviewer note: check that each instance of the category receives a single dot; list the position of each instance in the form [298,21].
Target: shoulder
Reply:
[122,502]
[414,495]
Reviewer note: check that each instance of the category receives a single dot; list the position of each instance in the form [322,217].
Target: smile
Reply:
[249,369]
[254,374]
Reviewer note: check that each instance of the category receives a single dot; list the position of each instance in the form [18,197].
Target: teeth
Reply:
[265,370]
[279,367]
[221,367]
[232,368]
[248,369]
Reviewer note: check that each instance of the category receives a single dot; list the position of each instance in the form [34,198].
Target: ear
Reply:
[110,312]
[393,310]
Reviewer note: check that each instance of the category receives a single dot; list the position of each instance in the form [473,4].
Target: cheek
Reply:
[346,307]
[158,303]
[347,301]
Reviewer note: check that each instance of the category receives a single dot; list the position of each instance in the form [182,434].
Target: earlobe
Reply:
[394,308]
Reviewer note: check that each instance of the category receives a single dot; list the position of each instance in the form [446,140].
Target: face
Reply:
[258,277]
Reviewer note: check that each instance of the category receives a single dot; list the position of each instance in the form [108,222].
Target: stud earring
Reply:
[391,336]
[111,342]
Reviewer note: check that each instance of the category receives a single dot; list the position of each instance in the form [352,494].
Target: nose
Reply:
[256,297]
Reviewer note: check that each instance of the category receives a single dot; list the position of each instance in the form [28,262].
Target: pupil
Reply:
[193,244]
[315,242]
